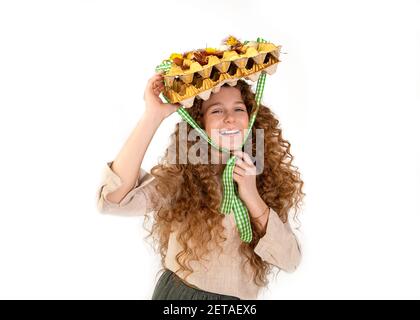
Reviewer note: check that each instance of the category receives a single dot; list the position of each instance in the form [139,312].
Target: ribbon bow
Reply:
[231,200]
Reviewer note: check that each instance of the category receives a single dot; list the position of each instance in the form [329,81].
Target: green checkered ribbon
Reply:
[164,66]
[231,200]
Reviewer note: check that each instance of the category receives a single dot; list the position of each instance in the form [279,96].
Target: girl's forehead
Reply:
[226,95]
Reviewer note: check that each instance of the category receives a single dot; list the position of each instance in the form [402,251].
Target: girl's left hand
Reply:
[244,174]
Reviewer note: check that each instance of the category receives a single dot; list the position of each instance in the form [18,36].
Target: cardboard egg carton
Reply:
[199,73]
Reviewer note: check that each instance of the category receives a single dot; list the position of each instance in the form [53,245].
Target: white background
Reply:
[72,77]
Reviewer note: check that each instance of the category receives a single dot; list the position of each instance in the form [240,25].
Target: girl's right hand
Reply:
[154,104]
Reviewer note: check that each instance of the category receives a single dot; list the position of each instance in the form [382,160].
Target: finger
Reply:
[236,177]
[244,159]
[157,85]
[250,172]
[155,79]
[247,170]
[241,164]
[239,154]
[151,86]
[239,171]
[247,158]
[156,91]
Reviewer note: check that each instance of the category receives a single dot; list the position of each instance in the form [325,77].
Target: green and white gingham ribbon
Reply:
[231,200]
[164,66]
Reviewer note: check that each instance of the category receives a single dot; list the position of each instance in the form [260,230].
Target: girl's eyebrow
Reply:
[219,103]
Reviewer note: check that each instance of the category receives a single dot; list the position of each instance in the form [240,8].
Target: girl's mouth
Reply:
[229,132]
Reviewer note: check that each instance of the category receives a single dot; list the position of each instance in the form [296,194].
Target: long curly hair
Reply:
[195,195]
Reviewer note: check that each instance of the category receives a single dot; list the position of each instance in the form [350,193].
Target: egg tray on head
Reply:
[183,86]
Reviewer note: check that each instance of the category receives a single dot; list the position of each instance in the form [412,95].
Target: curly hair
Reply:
[195,194]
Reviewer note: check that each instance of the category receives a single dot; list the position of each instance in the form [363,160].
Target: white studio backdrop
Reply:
[72,77]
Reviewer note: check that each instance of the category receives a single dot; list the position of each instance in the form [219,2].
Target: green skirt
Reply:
[171,287]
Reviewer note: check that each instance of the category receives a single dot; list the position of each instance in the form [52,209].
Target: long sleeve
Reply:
[137,201]
[279,246]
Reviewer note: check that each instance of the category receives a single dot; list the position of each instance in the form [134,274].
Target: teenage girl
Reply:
[201,251]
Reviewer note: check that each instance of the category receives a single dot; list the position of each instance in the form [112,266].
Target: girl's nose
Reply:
[229,117]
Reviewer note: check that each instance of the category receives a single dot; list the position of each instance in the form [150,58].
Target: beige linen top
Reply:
[221,272]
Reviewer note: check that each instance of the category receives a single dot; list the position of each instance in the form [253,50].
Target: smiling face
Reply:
[225,117]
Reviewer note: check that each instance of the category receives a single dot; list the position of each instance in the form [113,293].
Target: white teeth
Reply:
[226,132]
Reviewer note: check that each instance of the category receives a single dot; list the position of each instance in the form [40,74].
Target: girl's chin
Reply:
[230,144]
[233,145]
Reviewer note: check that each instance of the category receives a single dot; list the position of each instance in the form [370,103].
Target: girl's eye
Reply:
[219,111]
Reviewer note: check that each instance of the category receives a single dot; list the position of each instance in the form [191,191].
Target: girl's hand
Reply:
[244,174]
[154,104]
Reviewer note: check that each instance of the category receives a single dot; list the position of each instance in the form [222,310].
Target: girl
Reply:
[201,251]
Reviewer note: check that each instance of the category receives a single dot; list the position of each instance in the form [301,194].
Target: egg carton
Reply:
[183,86]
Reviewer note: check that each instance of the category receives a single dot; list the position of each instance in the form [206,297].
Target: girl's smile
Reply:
[228,132]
